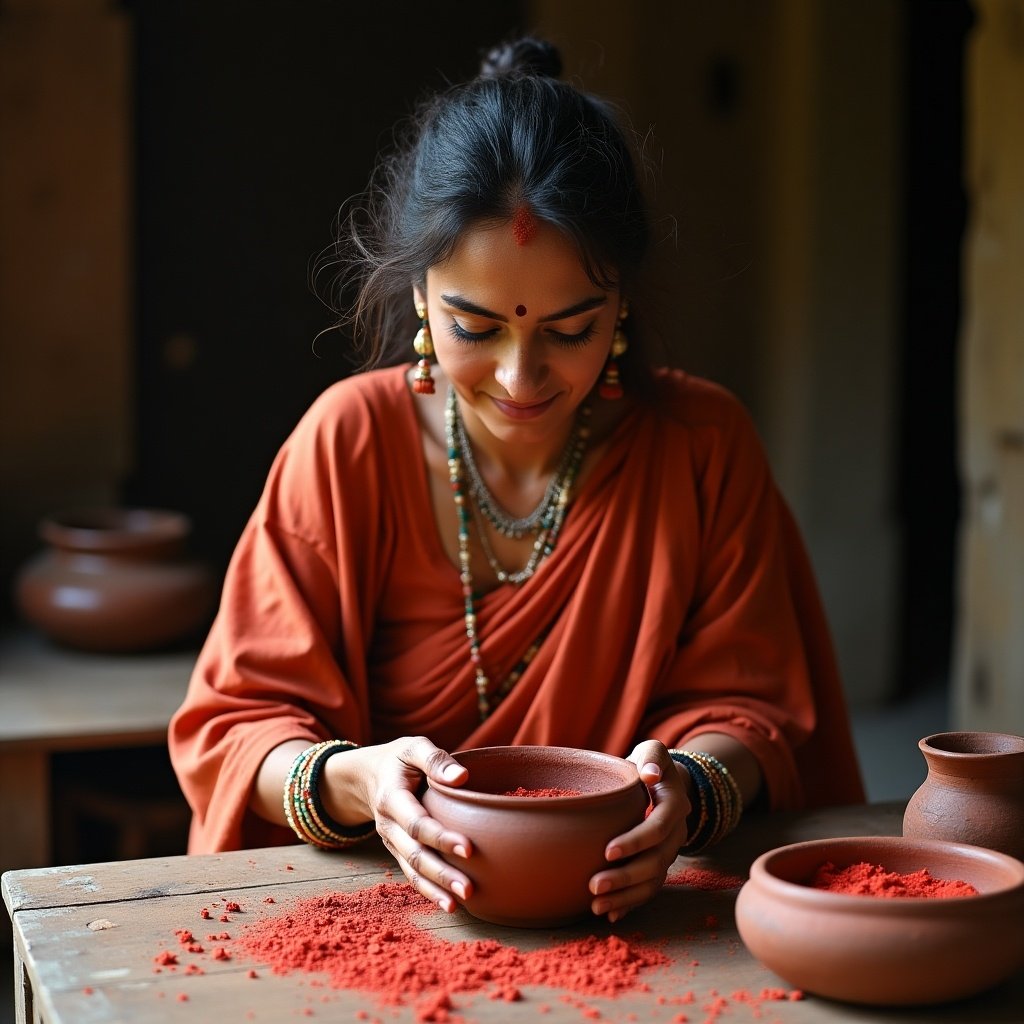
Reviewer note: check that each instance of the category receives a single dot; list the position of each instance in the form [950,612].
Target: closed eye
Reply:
[459,333]
[574,340]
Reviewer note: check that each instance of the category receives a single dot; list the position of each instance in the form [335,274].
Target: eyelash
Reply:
[566,340]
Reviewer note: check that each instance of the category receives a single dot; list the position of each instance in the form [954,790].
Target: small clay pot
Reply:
[885,951]
[973,793]
[116,580]
[533,856]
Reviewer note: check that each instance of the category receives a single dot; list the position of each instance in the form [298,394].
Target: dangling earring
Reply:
[423,383]
[611,386]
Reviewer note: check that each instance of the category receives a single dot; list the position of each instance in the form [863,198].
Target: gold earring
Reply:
[611,385]
[423,383]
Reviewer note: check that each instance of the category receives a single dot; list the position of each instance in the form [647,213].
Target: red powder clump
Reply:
[369,940]
[704,878]
[864,879]
[542,792]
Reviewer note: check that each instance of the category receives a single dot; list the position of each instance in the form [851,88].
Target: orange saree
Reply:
[679,601]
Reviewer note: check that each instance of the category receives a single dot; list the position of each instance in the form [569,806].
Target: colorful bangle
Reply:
[719,800]
[303,805]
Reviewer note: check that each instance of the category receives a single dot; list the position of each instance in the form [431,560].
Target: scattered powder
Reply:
[369,940]
[704,878]
[543,792]
[864,879]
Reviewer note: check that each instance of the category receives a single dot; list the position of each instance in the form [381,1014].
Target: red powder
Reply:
[704,878]
[370,941]
[165,958]
[543,792]
[524,226]
[864,879]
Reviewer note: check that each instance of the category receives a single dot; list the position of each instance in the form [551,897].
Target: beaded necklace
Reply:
[550,526]
[508,525]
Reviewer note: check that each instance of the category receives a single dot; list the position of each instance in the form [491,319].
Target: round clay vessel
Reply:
[973,793]
[116,580]
[885,951]
[533,856]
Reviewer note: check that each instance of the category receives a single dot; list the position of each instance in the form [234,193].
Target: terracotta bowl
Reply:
[533,856]
[885,951]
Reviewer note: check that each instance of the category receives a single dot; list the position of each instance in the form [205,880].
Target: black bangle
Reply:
[315,770]
[707,822]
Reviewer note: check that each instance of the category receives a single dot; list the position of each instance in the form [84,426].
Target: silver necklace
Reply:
[498,517]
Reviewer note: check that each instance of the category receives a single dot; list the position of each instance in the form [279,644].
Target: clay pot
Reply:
[973,793]
[533,856]
[116,580]
[885,951]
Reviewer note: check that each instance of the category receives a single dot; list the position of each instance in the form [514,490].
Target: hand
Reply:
[650,847]
[385,779]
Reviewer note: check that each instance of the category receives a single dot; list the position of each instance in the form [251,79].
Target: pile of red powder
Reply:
[370,941]
[864,879]
[544,792]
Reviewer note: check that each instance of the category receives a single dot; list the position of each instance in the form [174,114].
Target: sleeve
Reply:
[754,658]
[285,658]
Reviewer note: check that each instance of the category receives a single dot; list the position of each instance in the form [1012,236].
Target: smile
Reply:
[520,411]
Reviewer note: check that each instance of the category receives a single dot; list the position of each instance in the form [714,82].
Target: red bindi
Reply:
[524,226]
[520,310]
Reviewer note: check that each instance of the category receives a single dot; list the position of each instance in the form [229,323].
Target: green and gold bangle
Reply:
[720,803]
[303,806]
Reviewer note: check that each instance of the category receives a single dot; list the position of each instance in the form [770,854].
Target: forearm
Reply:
[742,764]
[339,788]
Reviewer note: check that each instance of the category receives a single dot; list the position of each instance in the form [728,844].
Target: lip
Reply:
[520,411]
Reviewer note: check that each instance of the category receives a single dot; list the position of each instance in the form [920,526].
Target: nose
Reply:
[521,370]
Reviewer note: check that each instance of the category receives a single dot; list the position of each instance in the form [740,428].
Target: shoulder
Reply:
[702,407]
[357,408]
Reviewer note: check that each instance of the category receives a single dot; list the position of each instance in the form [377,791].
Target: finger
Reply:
[665,822]
[650,866]
[652,760]
[616,904]
[435,763]
[410,816]
[429,873]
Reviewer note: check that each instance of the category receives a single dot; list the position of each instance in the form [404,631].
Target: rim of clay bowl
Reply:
[113,528]
[865,847]
[479,796]
[985,744]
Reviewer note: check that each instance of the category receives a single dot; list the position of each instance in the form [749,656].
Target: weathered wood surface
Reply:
[146,901]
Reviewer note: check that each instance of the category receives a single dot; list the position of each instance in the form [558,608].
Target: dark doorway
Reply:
[254,123]
[936,209]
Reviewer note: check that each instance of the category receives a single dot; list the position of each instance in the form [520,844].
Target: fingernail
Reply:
[614,916]
[447,904]
[651,769]
[459,889]
[603,885]
[450,772]
[601,907]
[614,852]
[460,851]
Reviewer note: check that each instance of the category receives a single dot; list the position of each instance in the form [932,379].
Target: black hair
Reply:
[475,153]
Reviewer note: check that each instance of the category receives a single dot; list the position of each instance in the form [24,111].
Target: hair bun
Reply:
[527,55]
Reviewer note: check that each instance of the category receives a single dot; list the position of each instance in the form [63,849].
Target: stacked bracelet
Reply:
[719,801]
[303,806]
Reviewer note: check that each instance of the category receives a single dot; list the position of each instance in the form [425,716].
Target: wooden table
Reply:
[66,972]
[53,699]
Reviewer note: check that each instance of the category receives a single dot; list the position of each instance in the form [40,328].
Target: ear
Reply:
[418,296]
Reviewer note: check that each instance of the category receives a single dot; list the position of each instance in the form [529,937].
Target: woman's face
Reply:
[519,329]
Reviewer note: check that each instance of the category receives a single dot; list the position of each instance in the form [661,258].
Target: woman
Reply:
[528,537]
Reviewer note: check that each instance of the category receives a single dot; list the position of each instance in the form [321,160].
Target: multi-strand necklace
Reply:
[546,519]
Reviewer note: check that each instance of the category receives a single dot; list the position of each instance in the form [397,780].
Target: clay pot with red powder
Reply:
[974,791]
[116,580]
[865,948]
[534,855]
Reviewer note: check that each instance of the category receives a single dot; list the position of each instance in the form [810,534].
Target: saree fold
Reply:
[679,600]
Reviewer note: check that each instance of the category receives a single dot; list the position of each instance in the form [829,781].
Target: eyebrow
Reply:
[471,307]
